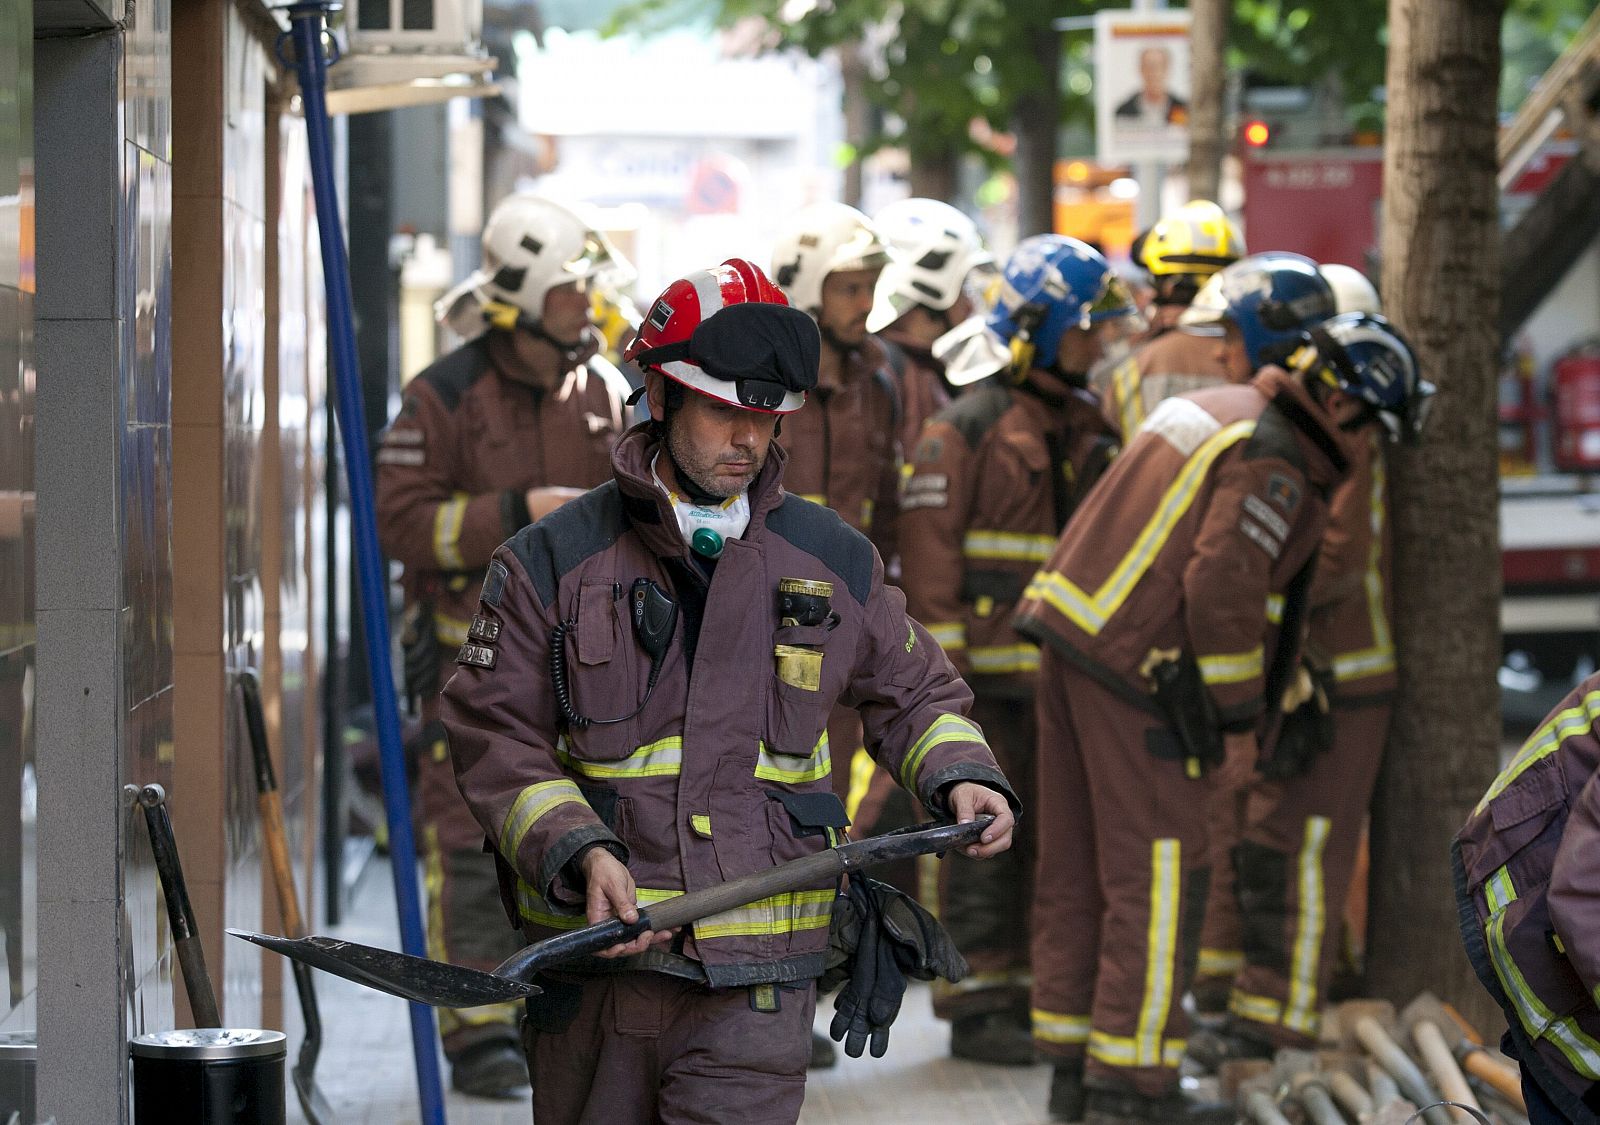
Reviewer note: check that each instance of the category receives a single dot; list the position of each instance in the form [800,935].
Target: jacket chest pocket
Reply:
[594,668]
[797,703]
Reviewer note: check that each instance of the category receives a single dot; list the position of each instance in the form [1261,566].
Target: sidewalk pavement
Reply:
[366,1071]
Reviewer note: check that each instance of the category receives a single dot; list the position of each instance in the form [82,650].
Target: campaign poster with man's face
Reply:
[1141,81]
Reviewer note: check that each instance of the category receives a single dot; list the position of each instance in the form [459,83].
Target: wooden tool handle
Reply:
[1441,1064]
[275,837]
[1259,1107]
[1349,1093]
[1505,1081]
[1411,1081]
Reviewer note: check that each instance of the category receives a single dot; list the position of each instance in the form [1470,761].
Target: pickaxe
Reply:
[452,986]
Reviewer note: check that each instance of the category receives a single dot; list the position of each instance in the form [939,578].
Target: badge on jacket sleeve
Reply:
[481,656]
[1283,492]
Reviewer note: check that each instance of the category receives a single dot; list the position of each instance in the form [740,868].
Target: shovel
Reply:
[180,913]
[276,840]
[452,986]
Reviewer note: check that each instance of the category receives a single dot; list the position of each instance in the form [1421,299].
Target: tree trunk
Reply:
[1208,69]
[857,117]
[1037,121]
[936,175]
[1441,278]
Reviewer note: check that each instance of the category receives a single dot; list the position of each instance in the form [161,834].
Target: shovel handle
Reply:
[1442,1064]
[1504,1081]
[180,912]
[275,836]
[1411,1081]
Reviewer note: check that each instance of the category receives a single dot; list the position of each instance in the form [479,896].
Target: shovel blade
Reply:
[398,974]
[313,1105]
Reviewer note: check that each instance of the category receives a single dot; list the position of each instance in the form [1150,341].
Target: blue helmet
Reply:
[1274,299]
[1052,283]
[1364,356]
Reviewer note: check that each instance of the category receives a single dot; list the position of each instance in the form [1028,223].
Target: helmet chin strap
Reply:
[569,349]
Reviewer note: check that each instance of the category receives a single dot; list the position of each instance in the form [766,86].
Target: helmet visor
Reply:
[1113,300]
[765,350]
[970,352]
[599,262]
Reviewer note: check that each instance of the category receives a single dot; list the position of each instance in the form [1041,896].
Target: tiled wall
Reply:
[18,869]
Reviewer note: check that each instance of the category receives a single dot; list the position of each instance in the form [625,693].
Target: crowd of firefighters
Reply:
[1143,514]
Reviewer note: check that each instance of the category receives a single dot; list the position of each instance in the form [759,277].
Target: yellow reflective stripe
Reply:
[531,804]
[1545,741]
[1301,1014]
[1007,546]
[1362,663]
[1220,962]
[1499,891]
[866,514]
[1117,1050]
[1090,612]
[1125,389]
[949,634]
[946,728]
[1582,1051]
[450,630]
[980,982]
[1053,1027]
[1259,1009]
[814,497]
[701,825]
[662,758]
[1161,951]
[1381,641]
[773,766]
[1275,608]
[862,766]
[536,909]
[786,913]
[1231,667]
[998,659]
[447,521]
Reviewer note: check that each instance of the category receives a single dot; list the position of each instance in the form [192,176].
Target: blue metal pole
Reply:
[306,27]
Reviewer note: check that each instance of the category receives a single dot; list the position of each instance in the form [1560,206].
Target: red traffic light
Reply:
[1257,133]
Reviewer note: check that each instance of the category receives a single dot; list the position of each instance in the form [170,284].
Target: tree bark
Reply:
[1441,280]
[857,116]
[936,175]
[1037,120]
[1208,69]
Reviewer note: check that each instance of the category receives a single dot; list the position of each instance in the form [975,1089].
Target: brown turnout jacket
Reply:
[499,415]
[919,382]
[1174,362]
[993,481]
[726,769]
[1191,541]
[1528,889]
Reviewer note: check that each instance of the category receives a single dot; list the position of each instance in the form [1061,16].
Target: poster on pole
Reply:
[1141,86]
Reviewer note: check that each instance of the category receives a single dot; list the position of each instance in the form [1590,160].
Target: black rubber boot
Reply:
[997,1038]
[495,1069]
[823,1054]
[1124,1107]
[1067,1095]
[1210,1047]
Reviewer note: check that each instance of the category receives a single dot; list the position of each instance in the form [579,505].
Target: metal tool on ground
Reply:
[1351,1095]
[1257,1103]
[275,839]
[1296,1071]
[1365,1023]
[1382,1085]
[451,986]
[180,913]
[1467,1047]
[1472,1110]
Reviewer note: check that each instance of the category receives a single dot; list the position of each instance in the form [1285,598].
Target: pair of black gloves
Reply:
[877,938]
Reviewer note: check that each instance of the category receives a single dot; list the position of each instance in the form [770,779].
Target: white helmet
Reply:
[822,239]
[934,247]
[530,246]
[1352,292]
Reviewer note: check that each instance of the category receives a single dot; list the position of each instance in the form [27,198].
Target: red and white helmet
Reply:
[728,332]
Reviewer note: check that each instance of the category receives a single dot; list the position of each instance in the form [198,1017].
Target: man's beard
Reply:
[698,467]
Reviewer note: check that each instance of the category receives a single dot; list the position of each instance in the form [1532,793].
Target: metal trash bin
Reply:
[209,1076]
[19,1062]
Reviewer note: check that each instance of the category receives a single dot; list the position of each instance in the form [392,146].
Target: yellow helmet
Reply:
[1199,239]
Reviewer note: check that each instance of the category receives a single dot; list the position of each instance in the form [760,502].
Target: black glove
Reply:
[420,650]
[879,938]
[1307,728]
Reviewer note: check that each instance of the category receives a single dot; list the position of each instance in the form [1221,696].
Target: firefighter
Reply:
[487,439]
[617,756]
[1301,821]
[1159,614]
[928,287]
[1179,253]
[994,479]
[1528,889]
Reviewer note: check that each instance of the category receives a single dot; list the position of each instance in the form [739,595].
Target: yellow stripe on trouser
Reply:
[1545,741]
[1119,1050]
[1161,952]
[1007,546]
[1090,612]
[451,1020]
[862,767]
[447,521]
[946,728]
[791,769]
[1275,608]
[1257,1009]
[787,913]
[1054,1027]
[531,804]
[995,660]
[1220,962]
[1581,1050]
[1230,667]
[662,758]
[1301,1014]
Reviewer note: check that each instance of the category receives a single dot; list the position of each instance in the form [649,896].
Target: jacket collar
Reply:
[649,509]
[535,362]
[1325,445]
